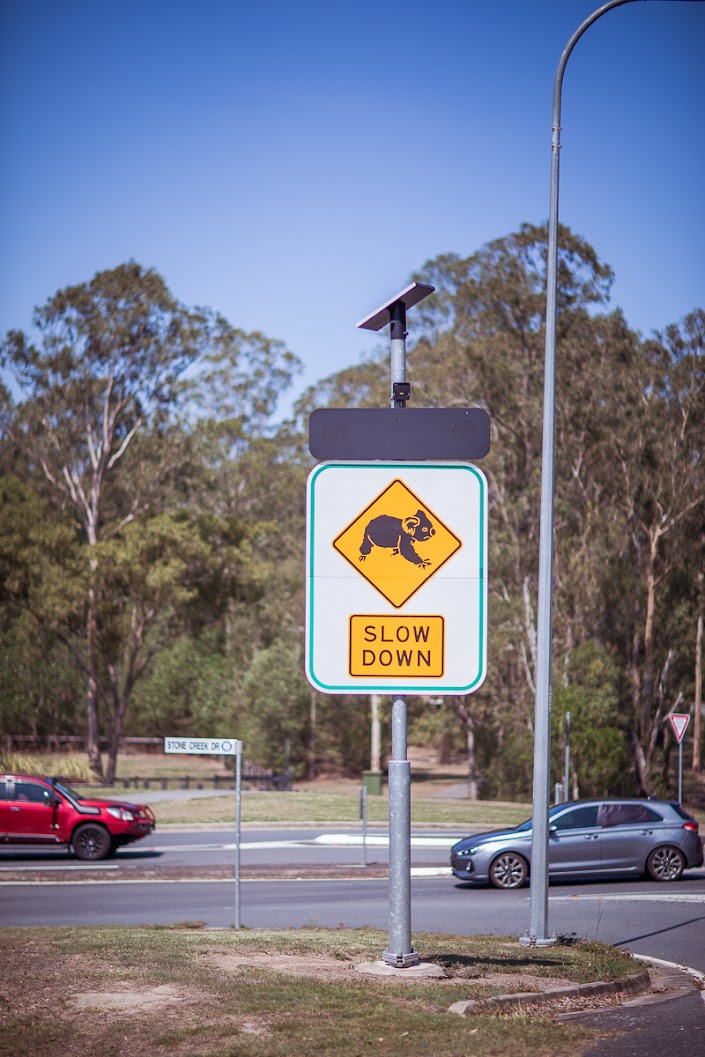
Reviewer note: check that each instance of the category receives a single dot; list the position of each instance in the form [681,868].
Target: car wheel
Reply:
[509,870]
[665,864]
[91,841]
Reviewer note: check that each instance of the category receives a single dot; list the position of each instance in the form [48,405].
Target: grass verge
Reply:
[325,808]
[148,992]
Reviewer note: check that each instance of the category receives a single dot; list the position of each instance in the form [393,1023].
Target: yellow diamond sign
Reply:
[397,543]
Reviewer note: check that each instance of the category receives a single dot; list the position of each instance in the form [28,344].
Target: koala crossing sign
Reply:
[380,535]
[397,543]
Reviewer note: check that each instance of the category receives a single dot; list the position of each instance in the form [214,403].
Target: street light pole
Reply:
[538,924]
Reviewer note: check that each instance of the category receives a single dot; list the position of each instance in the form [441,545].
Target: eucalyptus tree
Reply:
[42,587]
[482,342]
[656,406]
[106,436]
[104,370]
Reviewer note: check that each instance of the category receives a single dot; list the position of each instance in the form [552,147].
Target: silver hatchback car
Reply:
[588,837]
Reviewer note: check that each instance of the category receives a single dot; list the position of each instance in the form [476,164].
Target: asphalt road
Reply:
[665,921]
[258,847]
[669,925]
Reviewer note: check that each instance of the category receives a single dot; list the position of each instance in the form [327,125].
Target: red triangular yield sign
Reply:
[679,722]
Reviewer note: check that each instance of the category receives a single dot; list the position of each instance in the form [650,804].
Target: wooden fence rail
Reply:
[263,780]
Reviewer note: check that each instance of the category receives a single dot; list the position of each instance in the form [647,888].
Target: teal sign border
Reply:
[349,689]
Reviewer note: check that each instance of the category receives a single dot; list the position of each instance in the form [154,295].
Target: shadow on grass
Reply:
[467,961]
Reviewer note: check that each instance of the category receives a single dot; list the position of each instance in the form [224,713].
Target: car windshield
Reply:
[62,787]
[527,825]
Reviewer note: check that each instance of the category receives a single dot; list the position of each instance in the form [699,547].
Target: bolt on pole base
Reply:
[535,941]
[402,961]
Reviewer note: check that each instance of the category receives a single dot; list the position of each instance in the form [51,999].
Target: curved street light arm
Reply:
[537,934]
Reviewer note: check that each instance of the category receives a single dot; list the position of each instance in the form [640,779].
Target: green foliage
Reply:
[598,745]
[189,690]
[42,570]
[152,522]
[41,689]
[277,709]
[508,765]
[139,460]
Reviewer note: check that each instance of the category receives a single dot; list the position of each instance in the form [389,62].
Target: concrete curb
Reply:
[634,984]
[660,963]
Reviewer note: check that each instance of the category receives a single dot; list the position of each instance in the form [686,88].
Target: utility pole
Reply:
[566,771]
[538,924]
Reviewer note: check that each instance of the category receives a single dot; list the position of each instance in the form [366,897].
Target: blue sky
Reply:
[291,164]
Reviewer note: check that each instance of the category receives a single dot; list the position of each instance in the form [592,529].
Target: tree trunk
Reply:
[642,767]
[463,712]
[312,737]
[375,735]
[93,725]
[472,772]
[697,717]
[648,733]
[121,703]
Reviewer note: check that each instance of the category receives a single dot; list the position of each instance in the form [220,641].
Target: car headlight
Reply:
[122,813]
[464,851]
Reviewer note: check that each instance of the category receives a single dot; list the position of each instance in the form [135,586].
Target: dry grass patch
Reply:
[160,992]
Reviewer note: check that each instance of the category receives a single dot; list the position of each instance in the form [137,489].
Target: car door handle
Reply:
[647,832]
[15,809]
[590,836]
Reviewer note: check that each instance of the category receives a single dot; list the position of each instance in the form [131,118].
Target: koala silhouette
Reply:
[399,534]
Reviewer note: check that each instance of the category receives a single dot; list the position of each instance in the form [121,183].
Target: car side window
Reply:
[578,818]
[31,792]
[626,814]
[3,790]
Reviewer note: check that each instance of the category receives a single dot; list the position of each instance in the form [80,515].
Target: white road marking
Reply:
[59,866]
[382,840]
[645,897]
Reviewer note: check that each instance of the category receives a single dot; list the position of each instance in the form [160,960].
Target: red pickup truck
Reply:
[39,810]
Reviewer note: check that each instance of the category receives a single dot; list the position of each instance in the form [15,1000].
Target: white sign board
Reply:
[204,746]
[679,724]
[396,577]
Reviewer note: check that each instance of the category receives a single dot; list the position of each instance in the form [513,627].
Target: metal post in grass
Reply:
[399,953]
[566,769]
[238,804]
[363,818]
[538,923]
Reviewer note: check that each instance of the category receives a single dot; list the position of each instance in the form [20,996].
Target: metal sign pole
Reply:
[218,747]
[538,908]
[680,771]
[238,798]
[363,817]
[400,953]
[566,776]
[679,724]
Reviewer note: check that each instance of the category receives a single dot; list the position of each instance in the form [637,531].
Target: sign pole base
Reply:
[400,953]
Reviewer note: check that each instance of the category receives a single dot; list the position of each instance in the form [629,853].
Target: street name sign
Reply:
[219,747]
[679,724]
[204,746]
[396,576]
